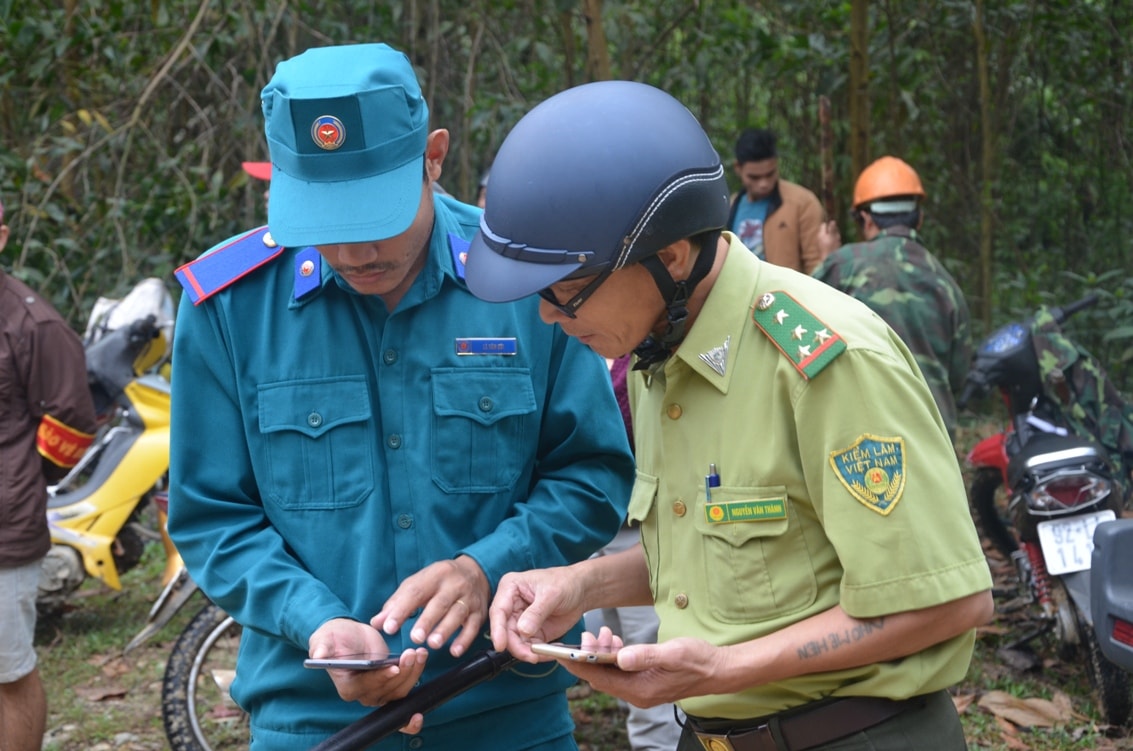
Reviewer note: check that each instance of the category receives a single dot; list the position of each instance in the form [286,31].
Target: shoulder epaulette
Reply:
[458,246]
[214,271]
[807,342]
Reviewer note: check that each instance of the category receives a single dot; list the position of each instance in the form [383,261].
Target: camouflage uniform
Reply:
[909,288]
[1092,407]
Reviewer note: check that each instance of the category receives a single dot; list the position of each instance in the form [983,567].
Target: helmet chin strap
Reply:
[655,349]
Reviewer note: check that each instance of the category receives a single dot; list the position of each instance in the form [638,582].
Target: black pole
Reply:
[391,717]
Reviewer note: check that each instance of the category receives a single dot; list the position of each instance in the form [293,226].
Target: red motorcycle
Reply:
[1041,485]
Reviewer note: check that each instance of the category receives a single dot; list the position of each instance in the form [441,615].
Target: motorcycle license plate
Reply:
[1068,543]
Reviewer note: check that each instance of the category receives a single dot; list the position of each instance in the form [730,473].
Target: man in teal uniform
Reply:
[805,532]
[361,448]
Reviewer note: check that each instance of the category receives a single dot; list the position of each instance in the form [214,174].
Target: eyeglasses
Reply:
[571,306]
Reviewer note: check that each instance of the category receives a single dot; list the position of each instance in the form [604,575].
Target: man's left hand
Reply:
[452,595]
[650,674]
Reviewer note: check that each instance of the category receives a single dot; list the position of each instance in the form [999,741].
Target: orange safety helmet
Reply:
[888,177]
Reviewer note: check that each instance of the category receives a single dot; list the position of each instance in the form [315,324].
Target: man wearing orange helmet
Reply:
[901,280]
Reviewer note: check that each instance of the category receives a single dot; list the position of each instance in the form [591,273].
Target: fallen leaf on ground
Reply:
[100,693]
[116,667]
[1027,713]
[1014,743]
[963,701]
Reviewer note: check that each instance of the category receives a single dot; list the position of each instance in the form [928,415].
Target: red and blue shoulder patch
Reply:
[215,271]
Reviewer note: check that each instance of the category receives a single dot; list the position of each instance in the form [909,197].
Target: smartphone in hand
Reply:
[352,662]
[574,653]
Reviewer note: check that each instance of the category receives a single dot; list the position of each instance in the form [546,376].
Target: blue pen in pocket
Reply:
[711,480]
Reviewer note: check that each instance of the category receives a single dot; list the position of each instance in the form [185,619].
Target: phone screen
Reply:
[351,662]
[574,653]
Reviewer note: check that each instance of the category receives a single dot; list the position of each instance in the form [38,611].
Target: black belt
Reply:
[799,729]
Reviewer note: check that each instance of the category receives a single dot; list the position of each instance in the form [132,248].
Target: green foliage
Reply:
[123,124]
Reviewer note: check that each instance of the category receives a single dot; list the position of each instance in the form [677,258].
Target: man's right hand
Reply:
[539,605]
[829,238]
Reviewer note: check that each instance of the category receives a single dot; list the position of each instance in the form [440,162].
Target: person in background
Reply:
[482,190]
[260,171]
[777,220]
[905,284]
[382,445]
[805,530]
[648,728]
[47,421]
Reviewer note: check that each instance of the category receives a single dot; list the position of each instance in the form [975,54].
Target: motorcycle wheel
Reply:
[1113,693]
[985,489]
[196,708]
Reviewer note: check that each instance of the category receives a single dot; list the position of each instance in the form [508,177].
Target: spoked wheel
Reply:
[196,708]
[990,507]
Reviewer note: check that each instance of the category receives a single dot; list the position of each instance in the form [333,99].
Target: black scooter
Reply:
[1043,484]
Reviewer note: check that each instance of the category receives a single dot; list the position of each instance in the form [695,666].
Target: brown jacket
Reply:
[790,232]
[45,411]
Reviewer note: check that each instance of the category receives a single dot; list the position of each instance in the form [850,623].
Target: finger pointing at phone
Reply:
[452,596]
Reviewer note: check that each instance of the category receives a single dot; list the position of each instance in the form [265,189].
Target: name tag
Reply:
[745,511]
[476,345]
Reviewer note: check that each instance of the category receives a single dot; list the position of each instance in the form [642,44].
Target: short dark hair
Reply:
[755,145]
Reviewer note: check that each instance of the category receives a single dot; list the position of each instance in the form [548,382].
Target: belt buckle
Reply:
[715,741]
[756,739]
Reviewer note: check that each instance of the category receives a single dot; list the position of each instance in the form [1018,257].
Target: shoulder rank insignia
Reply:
[459,248]
[807,342]
[873,470]
[308,271]
[214,271]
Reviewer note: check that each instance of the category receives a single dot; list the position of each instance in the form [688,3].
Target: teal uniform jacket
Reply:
[324,450]
[836,485]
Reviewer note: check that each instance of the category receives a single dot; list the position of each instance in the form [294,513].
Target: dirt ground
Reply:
[1019,695]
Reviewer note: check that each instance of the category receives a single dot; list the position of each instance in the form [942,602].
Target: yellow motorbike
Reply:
[94,513]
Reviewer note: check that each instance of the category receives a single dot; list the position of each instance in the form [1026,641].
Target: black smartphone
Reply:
[351,662]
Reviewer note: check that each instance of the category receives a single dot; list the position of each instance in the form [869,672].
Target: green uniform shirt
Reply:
[838,484]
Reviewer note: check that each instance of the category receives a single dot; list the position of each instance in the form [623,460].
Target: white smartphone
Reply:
[575,653]
[351,662]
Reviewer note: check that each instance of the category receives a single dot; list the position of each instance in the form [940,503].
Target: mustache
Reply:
[369,268]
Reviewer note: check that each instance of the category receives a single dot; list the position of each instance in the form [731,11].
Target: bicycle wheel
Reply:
[196,708]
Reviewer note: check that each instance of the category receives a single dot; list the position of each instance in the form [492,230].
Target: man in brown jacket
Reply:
[46,423]
[777,220]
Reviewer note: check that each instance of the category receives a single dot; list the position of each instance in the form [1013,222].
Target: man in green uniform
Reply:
[805,533]
[905,284]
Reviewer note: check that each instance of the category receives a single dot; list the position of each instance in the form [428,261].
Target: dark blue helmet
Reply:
[593,179]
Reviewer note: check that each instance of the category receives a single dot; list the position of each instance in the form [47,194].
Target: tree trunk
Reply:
[597,51]
[987,163]
[859,85]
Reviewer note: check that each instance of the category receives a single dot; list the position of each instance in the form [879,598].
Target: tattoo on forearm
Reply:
[836,639]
